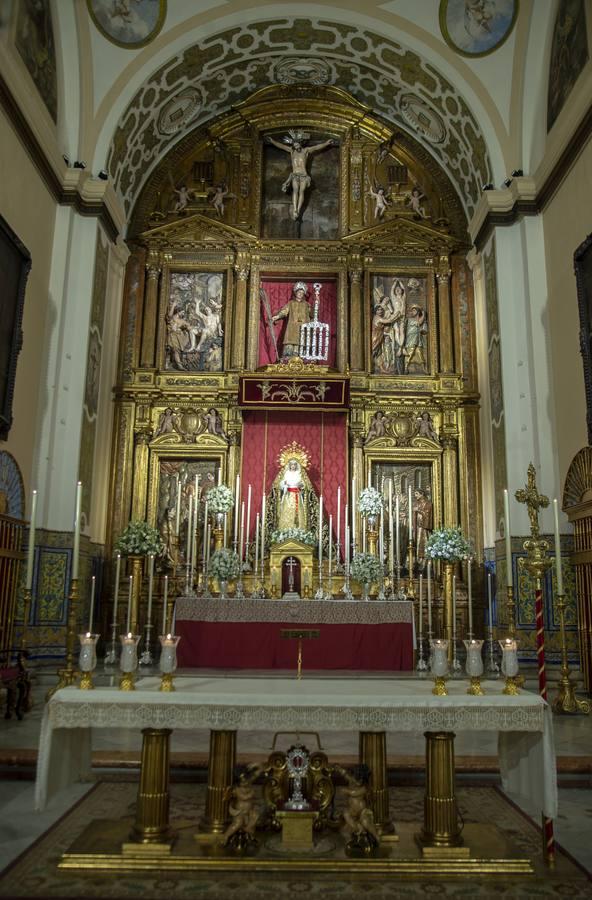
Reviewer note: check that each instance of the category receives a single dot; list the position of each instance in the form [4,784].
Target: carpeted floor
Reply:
[35,874]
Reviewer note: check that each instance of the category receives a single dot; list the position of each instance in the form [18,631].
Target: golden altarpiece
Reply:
[216,249]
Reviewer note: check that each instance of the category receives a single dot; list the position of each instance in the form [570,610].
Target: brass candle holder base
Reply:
[475,687]
[166,682]
[86,682]
[126,682]
[439,688]
[511,687]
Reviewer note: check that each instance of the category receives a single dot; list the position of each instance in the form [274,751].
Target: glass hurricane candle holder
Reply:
[510,665]
[168,660]
[474,666]
[128,661]
[439,666]
[87,661]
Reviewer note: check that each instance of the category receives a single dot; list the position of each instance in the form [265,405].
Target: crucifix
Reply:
[291,563]
[534,501]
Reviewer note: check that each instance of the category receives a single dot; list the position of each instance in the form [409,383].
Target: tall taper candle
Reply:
[410,514]
[236,508]
[220,475]
[263,511]
[489,603]
[347,548]
[248,528]
[93,582]
[557,549]
[391,527]
[76,550]
[338,515]
[256,569]
[31,550]
[345,533]
[116,585]
[189,527]
[129,604]
[470,595]
[353,512]
[398,528]
[420,606]
[242,532]
[320,533]
[508,537]
[150,587]
[178,509]
[330,545]
[165,595]
[205,541]
[454,607]
[429,596]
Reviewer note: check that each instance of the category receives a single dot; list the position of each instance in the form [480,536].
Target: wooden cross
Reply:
[291,564]
[534,501]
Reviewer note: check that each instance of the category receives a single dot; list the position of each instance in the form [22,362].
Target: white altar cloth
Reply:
[525,745]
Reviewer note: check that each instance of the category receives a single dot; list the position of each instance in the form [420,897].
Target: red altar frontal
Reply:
[246,634]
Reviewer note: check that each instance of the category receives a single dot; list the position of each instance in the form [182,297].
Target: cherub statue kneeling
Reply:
[240,834]
[358,819]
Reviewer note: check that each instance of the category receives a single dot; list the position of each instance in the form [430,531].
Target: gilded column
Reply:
[372,753]
[152,809]
[142,438]
[445,333]
[450,479]
[357,472]
[148,352]
[356,316]
[440,812]
[241,268]
[220,772]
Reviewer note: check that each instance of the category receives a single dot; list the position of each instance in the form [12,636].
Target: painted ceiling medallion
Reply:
[128,24]
[477,27]
[179,111]
[296,70]
[422,118]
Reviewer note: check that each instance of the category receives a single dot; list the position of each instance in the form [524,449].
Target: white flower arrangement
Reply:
[293,534]
[448,544]
[224,564]
[365,568]
[370,502]
[140,539]
[220,499]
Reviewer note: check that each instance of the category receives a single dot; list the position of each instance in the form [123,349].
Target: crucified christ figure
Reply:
[298,179]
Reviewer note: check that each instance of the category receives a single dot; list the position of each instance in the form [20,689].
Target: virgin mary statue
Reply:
[292,488]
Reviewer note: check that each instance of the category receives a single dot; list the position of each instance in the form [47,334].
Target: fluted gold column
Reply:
[356,316]
[142,437]
[445,331]
[450,479]
[448,607]
[135,569]
[153,268]
[241,268]
[220,771]
[440,813]
[372,753]
[152,809]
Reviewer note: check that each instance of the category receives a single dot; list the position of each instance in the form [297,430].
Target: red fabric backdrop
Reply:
[323,435]
[279,292]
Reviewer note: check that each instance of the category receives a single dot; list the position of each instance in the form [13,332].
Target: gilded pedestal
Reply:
[220,772]
[441,827]
[372,753]
[152,808]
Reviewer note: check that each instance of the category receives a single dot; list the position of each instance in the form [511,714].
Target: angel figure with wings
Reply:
[217,198]
[382,200]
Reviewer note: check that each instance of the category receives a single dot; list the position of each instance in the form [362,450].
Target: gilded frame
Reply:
[130,45]
[583,272]
[15,265]
[401,456]
[179,453]
[442,16]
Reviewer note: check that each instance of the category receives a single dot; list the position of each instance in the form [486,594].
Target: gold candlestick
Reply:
[566,700]
[410,591]
[475,688]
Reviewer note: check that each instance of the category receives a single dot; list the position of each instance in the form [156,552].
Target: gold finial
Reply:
[534,501]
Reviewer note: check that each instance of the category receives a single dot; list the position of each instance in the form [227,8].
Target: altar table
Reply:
[246,634]
[228,705]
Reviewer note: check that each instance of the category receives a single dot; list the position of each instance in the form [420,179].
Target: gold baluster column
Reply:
[152,808]
[450,479]
[153,269]
[440,813]
[220,772]
[241,268]
[142,437]
[135,569]
[445,332]
[372,753]
[356,316]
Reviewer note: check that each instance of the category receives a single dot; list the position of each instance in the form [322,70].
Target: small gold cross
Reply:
[534,501]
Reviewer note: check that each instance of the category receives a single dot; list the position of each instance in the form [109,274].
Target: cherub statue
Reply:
[426,427]
[376,429]
[167,423]
[214,423]
[358,817]
[220,194]
[243,810]
[382,200]
[183,198]
[414,201]
[299,179]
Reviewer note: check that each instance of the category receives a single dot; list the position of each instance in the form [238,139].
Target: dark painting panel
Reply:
[583,267]
[569,54]
[15,263]
[34,41]
[320,215]
[183,476]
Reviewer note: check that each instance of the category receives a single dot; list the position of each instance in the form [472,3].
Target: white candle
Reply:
[470,597]
[248,529]
[225,529]
[150,586]
[129,604]
[93,582]
[165,594]
[410,513]
[116,586]
[347,545]
[338,515]
[391,524]
[364,535]
[429,596]
[256,544]
[330,544]
[208,542]
[398,528]
[420,605]
[263,502]
[353,513]
[178,510]
[345,530]
[220,476]
[558,549]
[189,524]
[31,550]
[320,532]
[381,542]
[76,550]
[242,532]
[369,477]
[489,603]
[236,508]
[454,607]
[509,580]
[205,538]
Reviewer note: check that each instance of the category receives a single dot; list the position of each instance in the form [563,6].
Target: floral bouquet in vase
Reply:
[224,565]
[140,539]
[449,545]
[293,534]
[370,503]
[220,499]
[366,569]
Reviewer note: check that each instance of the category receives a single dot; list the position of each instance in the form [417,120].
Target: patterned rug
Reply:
[35,873]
